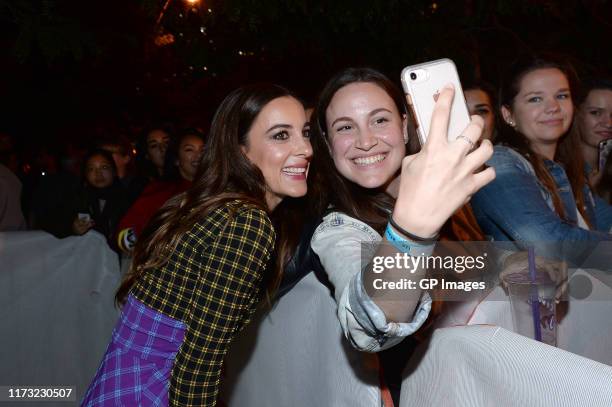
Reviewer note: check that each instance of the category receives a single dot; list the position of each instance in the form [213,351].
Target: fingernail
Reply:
[449,86]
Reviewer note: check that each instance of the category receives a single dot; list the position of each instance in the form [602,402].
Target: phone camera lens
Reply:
[412,76]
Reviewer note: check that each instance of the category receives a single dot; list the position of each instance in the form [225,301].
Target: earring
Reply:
[511,123]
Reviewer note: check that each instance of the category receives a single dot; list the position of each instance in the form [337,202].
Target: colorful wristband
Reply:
[401,243]
[393,238]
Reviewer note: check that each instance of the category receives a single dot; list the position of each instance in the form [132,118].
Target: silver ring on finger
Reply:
[467,140]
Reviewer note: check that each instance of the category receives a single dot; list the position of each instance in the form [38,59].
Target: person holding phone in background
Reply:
[98,202]
[541,193]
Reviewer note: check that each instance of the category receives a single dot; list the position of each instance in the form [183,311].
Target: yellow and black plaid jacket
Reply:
[211,283]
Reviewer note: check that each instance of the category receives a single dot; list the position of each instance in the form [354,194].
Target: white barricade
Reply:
[56,308]
[488,366]
[297,356]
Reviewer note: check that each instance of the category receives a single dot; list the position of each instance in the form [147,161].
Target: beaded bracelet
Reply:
[417,239]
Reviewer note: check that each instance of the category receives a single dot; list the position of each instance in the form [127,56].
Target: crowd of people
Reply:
[111,185]
[219,222]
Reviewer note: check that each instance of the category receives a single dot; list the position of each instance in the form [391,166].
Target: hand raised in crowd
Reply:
[443,175]
[81,226]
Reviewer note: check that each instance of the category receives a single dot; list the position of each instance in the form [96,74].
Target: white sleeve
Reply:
[345,246]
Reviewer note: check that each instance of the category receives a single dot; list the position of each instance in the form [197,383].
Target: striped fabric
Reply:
[136,368]
[485,365]
[211,282]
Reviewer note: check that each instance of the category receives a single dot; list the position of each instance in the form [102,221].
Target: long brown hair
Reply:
[568,148]
[366,204]
[224,174]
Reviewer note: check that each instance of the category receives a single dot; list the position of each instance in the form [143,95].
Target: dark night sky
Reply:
[73,70]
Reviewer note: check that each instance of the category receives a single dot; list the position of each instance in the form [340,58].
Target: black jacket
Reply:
[104,206]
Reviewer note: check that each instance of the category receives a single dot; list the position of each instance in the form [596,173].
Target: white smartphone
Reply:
[422,84]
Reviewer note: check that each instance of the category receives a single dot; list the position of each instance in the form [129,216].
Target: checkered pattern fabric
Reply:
[136,367]
[211,283]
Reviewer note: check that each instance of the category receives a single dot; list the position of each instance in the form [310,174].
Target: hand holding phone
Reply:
[444,175]
[423,84]
[82,223]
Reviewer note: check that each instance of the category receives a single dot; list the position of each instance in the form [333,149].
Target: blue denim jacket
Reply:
[517,207]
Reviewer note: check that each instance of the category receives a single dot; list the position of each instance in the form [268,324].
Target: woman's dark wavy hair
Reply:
[367,205]
[568,147]
[225,174]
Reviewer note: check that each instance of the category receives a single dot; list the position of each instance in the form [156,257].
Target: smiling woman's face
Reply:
[542,110]
[366,133]
[189,153]
[595,117]
[278,143]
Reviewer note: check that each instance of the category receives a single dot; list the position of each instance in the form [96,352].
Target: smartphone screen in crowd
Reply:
[84,216]
[605,146]
[422,83]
